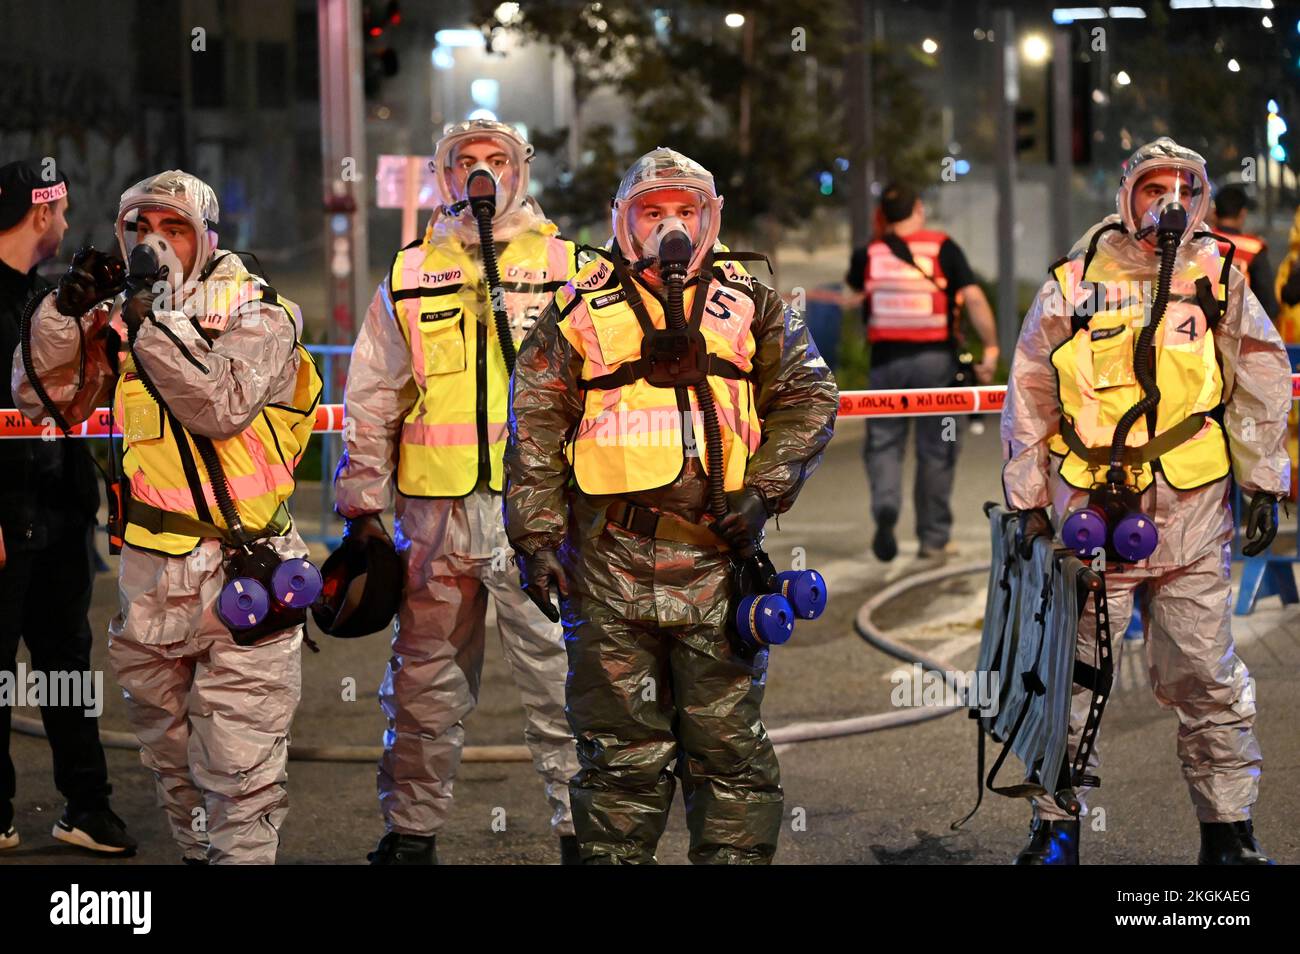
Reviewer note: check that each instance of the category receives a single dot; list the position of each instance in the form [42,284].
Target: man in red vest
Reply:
[913,280]
[1250,251]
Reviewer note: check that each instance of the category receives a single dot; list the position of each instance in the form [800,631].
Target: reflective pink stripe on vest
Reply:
[449,435]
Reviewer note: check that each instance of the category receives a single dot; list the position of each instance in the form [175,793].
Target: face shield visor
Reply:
[190,198]
[664,190]
[1156,177]
[483,144]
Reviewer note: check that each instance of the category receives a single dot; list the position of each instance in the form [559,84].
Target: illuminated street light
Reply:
[1035,48]
[507,13]
[1122,79]
[930,46]
[1234,66]
[459,38]
[735,20]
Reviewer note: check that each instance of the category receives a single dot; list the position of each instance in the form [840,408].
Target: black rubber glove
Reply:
[93,276]
[743,524]
[536,572]
[135,309]
[1032,524]
[364,527]
[1261,523]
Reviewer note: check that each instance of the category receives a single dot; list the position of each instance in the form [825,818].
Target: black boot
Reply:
[1230,843]
[398,849]
[883,544]
[569,850]
[1051,843]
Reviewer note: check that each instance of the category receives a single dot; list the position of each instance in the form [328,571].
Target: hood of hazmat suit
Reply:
[180,192]
[1157,174]
[659,170]
[516,210]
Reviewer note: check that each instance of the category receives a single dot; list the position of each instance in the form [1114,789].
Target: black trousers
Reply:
[44,599]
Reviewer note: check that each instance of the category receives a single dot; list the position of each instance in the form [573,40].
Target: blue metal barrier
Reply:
[824,321]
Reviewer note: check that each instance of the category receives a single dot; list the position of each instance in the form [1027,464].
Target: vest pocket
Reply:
[1112,357]
[618,333]
[141,415]
[443,339]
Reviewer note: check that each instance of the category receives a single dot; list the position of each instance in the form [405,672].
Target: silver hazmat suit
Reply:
[212,717]
[1190,655]
[456,555]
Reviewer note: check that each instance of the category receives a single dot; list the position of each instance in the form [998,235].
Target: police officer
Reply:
[913,280]
[48,502]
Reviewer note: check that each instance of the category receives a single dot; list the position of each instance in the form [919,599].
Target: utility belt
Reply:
[154,520]
[646,522]
[1158,446]
[764,604]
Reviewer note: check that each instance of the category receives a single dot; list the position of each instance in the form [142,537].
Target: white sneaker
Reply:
[10,839]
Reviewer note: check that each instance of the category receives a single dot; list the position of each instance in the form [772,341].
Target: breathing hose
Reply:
[1168,241]
[29,366]
[483,214]
[674,276]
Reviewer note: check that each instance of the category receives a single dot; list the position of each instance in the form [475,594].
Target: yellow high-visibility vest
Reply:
[455,435]
[164,467]
[1097,383]
[630,437]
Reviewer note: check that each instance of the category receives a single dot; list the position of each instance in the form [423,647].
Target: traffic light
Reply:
[380,61]
[1081,84]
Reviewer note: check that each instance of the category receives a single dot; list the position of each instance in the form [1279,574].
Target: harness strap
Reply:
[636,370]
[1079,320]
[1158,446]
[152,519]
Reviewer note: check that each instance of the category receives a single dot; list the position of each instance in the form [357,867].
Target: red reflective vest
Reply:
[908,303]
[1247,247]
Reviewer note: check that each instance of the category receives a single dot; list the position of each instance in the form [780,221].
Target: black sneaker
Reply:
[97,830]
[883,545]
[398,849]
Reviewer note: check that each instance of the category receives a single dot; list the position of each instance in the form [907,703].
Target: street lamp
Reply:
[930,46]
[1035,48]
[735,20]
